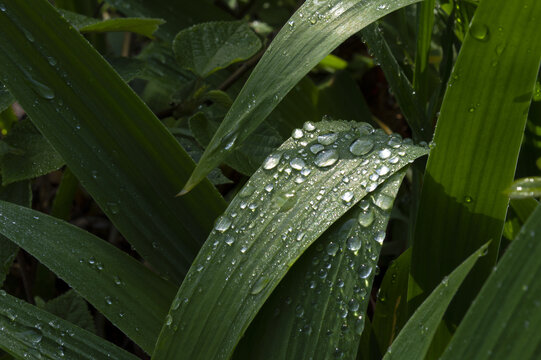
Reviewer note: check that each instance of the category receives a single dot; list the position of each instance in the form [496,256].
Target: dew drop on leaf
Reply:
[297,134]
[365,271]
[297,163]
[259,285]
[361,147]
[316,148]
[327,139]
[326,158]
[347,196]
[222,224]
[383,201]
[271,161]
[354,243]
[384,154]
[479,32]
[308,126]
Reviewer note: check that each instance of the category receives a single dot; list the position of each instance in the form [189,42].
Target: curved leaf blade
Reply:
[116,147]
[27,332]
[310,35]
[209,47]
[525,188]
[132,297]
[463,203]
[504,321]
[320,305]
[415,338]
[310,182]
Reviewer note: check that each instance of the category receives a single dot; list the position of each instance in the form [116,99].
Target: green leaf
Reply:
[206,48]
[398,81]
[32,155]
[132,297]
[121,153]
[425,25]
[28,332]
[310,35]
[391,311]
[463,204]
[19,193]
[504,321]
[524,188]
[128,68]
[177,14]
[415,338]
[71,307]
[65,194]
[85,24]
[6,99]
[301,189]
[320,306]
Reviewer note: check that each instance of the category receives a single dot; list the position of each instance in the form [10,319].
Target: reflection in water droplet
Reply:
[297,134]
[332,249]
[354,243]
[229,240]
[308,126]
[383,201]
[347,196]
[271,161]
[365,271]
[384,154]
[361,147]
[326,158]
[222,224]
[297,163]
[327,139]
[380,236]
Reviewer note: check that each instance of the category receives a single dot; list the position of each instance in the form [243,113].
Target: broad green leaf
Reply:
[415,338]
[177,14]
[206,48]
[85,24]
[19,193]
[70,307]
[310,35]
[391,311]
[504,321]
[524,188]
[115,146]
[6,99]
[300,190]
[28,332]
[32,155]
[463,204]
[398,81]
[320,306]
[132,297]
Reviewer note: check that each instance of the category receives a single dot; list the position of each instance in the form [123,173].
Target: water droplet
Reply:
[117,280]
[479,31]
[365,129]
[300,236]
[271,161]
[108,300]
[243,249]
[291,24]
[168,320]
[229,240]
[308,126]
[51,60]
[326,158]
[468,199]
[259,285]
[113,207]
[353,305]
[384,154]
[384,202]
[354,243]
[347,196]
[222,224]
[316,148]
[383,170]
[361,147]
[31,335]
[380,237]
[28,35]
[297,163]
[2,8]
[299,311]
[327,139]
[41,89]
[246,191]
[364,204]
[332,248]
[229,140]
[365,271]
[297,134]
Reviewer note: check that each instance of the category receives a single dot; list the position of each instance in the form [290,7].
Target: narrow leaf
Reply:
[463,204]
[415,338]
[525,187]
[28,332]
[310,182]
[310,35]
[126,292]
[126,159]
[206,48]
[504,321]
[320,305]
[85,24]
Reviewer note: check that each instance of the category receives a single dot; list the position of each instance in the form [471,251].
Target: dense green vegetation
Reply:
[250,179]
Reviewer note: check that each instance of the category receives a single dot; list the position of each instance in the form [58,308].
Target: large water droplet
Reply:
[168,320]
[365,271]
[326,158]
[384,154]
[316,148]
[222,224]
[308,126]
[41,89]
[229,240]
[327,139]
[366,218]
[332,248]
[271,161]
[347,196]
[383,170]
[479,32]
[384,202]
[361,147]
[297,163]
[354,243]
[380,236]
[259,285]
[297,134]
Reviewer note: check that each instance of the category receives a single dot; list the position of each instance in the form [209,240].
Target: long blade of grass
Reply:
[320,305]
[310,182]
[504,321]
[477,141]
[121,153]
[310,35]
[27,332]
[425,25]
[132,297]
[415,338]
